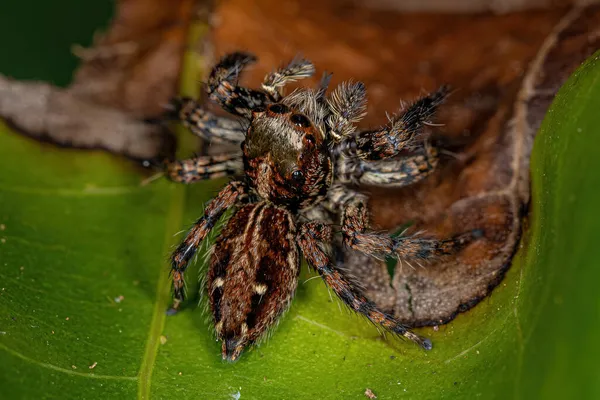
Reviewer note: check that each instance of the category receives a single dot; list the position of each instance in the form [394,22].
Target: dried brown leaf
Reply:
[49,113]
[490,122]
[135,65]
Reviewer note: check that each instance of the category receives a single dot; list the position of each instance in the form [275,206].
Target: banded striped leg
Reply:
[227,197]
[389,173]
[403,130]
[205,167]
[205,124]
[297,69]
[312,237]
[357,235]
[222,86]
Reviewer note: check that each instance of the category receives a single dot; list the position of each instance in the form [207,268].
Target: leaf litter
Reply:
[487,127]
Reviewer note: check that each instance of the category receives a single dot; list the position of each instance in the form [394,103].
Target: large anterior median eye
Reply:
[300,120]
[278,108]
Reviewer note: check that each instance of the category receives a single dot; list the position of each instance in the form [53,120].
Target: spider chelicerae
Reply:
[295,179]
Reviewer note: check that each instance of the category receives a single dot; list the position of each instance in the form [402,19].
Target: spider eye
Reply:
[310,139]
[300,120]
[298,177]
[278,108]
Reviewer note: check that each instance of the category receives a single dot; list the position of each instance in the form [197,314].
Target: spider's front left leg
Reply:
[205,167]
[401,133]
[274,82]
[312,238]
[227,197]
[358,235]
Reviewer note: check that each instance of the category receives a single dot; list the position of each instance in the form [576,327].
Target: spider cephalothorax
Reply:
[296,177]
[286,158]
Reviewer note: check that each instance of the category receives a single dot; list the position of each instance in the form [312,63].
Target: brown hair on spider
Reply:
[295,178]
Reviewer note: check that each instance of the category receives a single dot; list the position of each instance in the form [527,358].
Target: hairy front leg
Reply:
[402,132]
[205,167]
[313,237]
[227,197]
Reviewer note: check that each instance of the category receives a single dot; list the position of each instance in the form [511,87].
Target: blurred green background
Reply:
[36,36]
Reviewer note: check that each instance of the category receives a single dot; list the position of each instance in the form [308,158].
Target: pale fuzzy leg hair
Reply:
[347,105]
[298,68]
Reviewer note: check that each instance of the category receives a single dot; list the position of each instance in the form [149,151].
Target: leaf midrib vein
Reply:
[174,220]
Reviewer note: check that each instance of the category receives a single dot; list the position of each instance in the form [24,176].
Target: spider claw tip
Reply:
[426,344]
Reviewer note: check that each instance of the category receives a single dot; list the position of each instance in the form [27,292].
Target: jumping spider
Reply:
[300,164]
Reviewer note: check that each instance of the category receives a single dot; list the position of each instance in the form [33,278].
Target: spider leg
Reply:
[358,236]
[402,131]
[180,259]
[274,82]
[205,167]
[347,105]
[390,173]
[205,124]
[312,237]
[222,86]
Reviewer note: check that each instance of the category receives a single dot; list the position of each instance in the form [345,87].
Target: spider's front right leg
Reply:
[401,133]
[227,197]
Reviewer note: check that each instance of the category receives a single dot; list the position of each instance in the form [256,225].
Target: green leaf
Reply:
[84,289]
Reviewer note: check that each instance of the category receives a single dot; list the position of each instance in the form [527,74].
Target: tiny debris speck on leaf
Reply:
[163,339]
[2,227]
[93,365]
[73,366]
[66,319]
[369,393]
[119,299]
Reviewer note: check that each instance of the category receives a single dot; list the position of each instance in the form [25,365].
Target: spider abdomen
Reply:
[253,274]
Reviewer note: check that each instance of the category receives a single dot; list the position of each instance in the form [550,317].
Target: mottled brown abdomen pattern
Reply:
[253,274]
